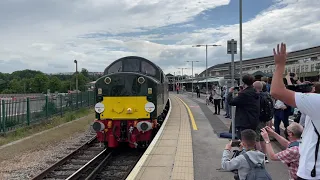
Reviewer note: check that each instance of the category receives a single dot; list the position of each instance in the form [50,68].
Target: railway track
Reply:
[116,166]
[90,161]
[73,161]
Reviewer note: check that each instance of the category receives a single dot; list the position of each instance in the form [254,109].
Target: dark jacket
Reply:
[247,108]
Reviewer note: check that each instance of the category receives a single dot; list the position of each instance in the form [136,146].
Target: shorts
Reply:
[258,131]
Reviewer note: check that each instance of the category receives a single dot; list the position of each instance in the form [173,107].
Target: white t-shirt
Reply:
[309,104]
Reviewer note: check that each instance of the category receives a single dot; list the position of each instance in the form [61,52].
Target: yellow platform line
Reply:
[193,122]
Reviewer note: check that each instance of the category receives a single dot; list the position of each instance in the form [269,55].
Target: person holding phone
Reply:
[247,104]
[239,162]
[289,156]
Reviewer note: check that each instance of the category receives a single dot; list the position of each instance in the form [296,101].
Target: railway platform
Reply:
[188,145]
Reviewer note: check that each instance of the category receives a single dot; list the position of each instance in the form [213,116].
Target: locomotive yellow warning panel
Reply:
[125,108]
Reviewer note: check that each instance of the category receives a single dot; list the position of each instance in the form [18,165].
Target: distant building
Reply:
[305,63]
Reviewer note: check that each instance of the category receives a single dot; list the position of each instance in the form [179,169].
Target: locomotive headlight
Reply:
[144,126]
[98,126]
[107,80]
[141,80]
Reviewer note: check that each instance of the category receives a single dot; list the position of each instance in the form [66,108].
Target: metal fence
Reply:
[26,111]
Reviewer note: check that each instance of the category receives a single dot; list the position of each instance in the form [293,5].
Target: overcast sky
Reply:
[48,35]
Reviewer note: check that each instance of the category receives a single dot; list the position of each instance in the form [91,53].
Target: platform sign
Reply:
[149,107]
[99,108]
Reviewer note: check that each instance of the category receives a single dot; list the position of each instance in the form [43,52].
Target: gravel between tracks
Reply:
[28,163]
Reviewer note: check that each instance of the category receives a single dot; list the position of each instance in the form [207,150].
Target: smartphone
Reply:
[292,74]
[235,143]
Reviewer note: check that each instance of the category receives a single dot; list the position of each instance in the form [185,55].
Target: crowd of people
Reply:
[257,104]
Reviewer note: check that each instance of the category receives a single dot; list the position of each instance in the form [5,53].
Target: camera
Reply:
[235,143]
[303,88]
[292,75]
[237,88]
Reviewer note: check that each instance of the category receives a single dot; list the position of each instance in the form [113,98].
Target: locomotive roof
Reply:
[135,64]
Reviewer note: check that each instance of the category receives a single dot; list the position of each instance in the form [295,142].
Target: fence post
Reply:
[3,115]
[77,99]
[88,98]
[61,106]
[94,98]
[81,95]
[47,108]
[28,111]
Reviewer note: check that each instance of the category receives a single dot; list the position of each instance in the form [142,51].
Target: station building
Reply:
[305,63]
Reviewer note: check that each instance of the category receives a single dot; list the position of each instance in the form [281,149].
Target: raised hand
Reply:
[280,56]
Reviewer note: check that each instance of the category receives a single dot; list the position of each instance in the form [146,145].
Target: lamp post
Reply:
[206,45]
[181,85]
[76,62]
[240,34]
[192,75]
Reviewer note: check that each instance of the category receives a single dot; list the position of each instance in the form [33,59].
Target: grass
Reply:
[48,124]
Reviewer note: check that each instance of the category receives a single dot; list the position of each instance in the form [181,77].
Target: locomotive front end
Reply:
[126,109]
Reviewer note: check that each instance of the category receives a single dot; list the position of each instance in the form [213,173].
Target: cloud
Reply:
[49,35]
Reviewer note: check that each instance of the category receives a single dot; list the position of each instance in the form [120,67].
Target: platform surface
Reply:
[172,156]
[208,147]
[184,151]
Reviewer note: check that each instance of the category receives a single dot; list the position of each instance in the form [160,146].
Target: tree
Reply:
[39,83]
[31,81]
[65,86]
[54,84]
[85,72]
[82,81]
[15,86]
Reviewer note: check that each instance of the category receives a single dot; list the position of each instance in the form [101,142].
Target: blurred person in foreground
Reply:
[289,156]
[307,103]
[240,162]
[247,104]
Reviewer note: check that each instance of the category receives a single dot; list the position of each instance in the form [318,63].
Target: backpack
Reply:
[266,107]
[257,171]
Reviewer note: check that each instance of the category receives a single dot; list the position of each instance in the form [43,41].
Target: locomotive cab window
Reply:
[147,68]
[116,67]
[131,65]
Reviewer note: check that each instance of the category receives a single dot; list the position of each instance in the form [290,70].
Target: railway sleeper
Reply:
[55,178]
[56,175]
[77,162]
[113,174]
[85,157]
[127,162]
[121,167]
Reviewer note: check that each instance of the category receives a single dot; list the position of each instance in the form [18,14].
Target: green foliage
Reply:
[54,84]
[85,72]
[30,81]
